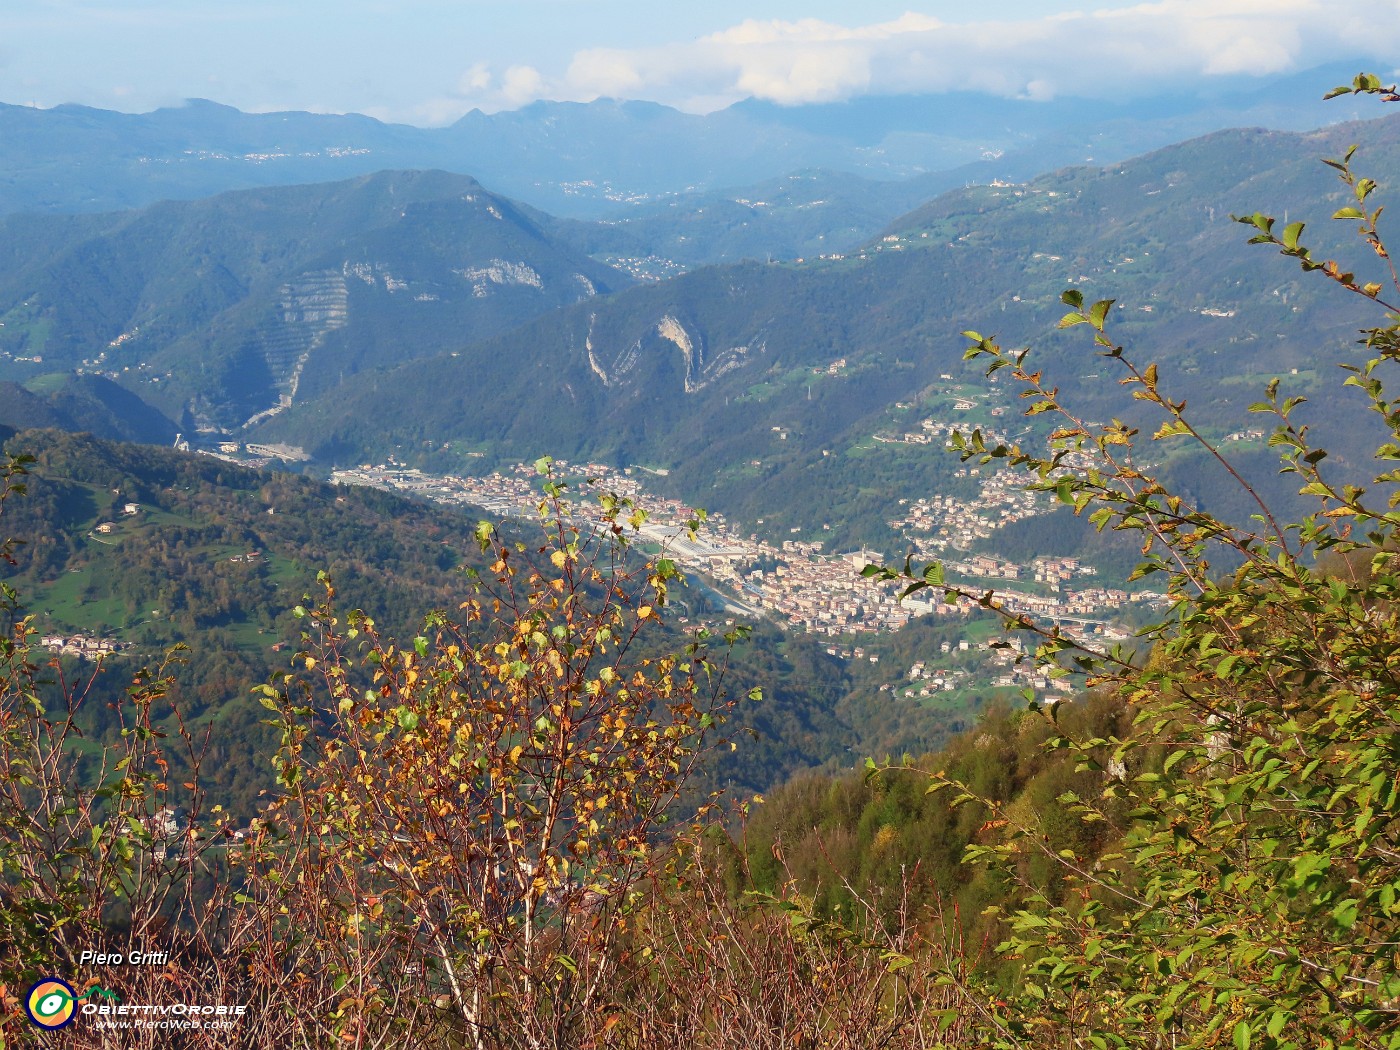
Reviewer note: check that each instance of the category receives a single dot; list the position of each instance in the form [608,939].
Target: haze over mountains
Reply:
[593,159]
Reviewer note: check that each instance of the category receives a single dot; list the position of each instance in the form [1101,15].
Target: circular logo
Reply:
[51,1003]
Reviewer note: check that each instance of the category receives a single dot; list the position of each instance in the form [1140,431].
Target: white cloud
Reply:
[1094,53]
[521,84]
[475,80]
[612,74]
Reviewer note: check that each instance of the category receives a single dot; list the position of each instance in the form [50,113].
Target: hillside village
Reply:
[82,646]
[821,593]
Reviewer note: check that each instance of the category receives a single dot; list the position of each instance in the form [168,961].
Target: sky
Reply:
[428,62]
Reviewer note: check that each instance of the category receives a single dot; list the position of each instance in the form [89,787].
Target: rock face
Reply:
[670,329]
[501,273]
[309,309]
[700,367]
[700,370]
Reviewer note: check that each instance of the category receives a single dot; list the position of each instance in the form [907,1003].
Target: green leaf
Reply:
[1099,311]
[1345,913]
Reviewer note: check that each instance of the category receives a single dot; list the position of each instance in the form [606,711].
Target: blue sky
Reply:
[430,61]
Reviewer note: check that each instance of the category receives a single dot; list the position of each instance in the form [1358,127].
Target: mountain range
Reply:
[767,352]
[759,387]
[419,316]
[595,159]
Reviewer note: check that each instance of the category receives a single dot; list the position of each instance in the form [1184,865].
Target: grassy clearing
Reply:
[47,383]
[71,603]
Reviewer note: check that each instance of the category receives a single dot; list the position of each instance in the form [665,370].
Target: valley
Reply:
[729,527]
[417,321]
[804,588]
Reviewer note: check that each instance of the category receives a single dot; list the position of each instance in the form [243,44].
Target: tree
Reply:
[470,817]
[1251,891]
[104,848]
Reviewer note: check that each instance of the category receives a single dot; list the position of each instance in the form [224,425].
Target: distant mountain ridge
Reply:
[592,159]
[220,311]
[760,386]
[417,315]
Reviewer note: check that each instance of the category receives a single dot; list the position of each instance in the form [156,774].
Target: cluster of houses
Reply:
[1055,571]
[929,681]
[814,592]
[1006,667]
[1050,571]
[168,826]
[516,492]
[108,527]
[824,595]
[931,430]
[84,647]
[987,566]
[934,524]
[1248,434]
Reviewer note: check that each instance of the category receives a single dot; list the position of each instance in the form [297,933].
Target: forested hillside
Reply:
[92,403]
[761,387]
[477,801]
[218,310]
[144,548]
[212,557]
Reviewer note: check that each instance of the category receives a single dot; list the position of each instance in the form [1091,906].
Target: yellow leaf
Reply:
[644,612]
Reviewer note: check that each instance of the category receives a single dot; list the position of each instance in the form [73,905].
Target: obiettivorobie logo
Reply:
[52,1003]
